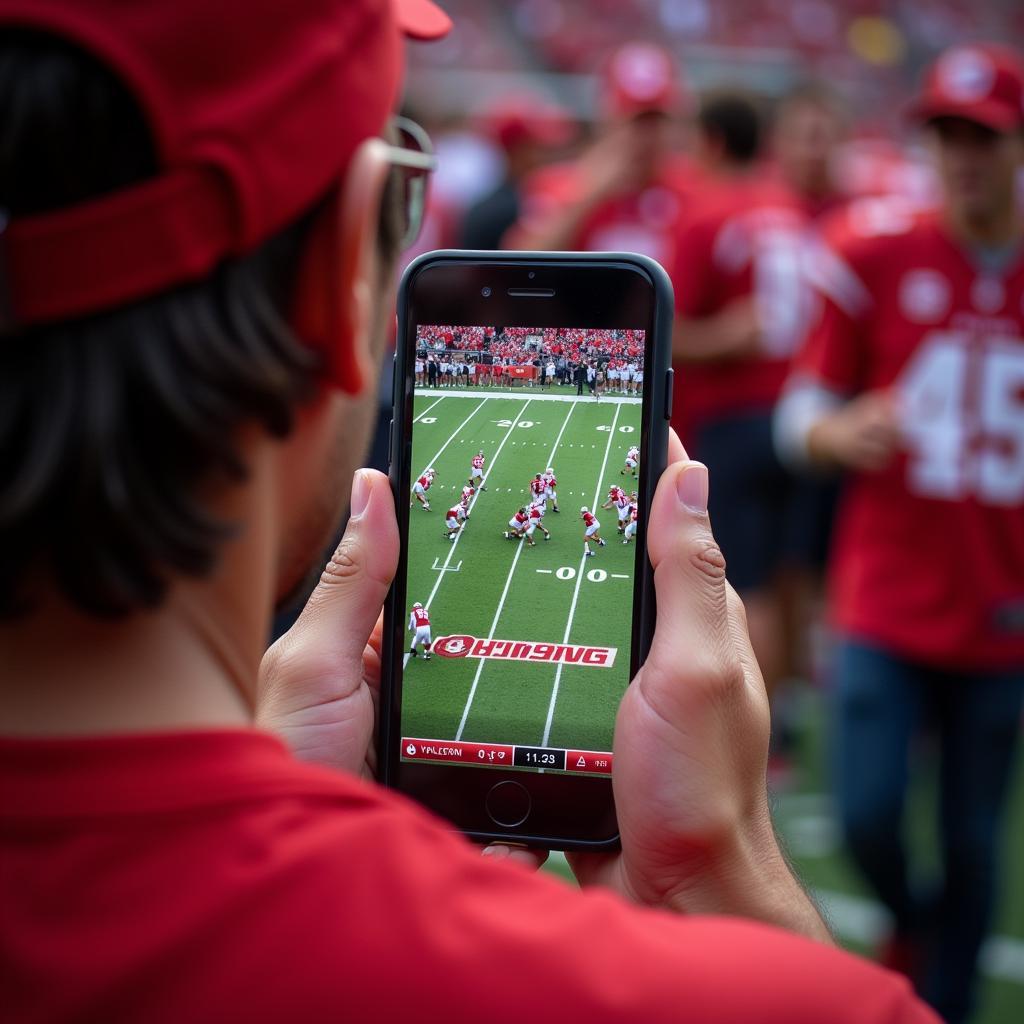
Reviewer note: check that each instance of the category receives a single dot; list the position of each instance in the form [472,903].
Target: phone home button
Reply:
[508,804]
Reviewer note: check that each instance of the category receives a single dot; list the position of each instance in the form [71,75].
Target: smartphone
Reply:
[531,407]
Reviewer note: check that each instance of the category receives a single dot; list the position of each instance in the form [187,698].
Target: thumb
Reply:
[324,649]
[693,645]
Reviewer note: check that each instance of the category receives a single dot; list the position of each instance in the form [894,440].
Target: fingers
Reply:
[527,856]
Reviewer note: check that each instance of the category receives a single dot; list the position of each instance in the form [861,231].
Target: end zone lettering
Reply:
[464,646]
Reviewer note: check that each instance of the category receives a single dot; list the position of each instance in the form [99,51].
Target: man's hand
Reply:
[691,740]
[863,435]
[319,683]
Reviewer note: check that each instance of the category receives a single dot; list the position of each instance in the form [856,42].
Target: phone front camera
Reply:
[485,292]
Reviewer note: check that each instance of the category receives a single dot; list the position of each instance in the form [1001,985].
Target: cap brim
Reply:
[996,116]
[421,19]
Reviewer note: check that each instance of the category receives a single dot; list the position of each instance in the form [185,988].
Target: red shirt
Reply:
[424,482]
[646,221]
[929,556]
[745,239]
[210,876]
[588,518]
[537,486]
[520,517]
[420,617]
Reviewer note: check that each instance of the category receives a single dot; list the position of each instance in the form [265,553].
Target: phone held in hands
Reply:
[531,407]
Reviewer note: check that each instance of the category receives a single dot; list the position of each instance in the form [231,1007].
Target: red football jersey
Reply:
[454,513]
[645,221]
[588,518]
[424,482]
[421,617]
[743,240]
[211,876]
[537,486]
[535,513]
[520,517]
[929,554]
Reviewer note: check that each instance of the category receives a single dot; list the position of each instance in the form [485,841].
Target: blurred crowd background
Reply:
[622,124]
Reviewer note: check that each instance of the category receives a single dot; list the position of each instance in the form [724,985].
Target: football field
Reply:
[483,585]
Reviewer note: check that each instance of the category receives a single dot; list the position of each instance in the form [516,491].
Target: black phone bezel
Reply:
[569,812]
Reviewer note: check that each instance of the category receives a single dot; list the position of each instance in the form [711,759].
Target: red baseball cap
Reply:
[255,107]
[981,82]
[527,117]
[640,78]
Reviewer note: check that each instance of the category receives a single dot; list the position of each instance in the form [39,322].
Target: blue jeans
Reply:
[882,701]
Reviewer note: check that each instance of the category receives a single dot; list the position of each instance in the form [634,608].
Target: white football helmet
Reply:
[549,470]
[416,604]
[584,509]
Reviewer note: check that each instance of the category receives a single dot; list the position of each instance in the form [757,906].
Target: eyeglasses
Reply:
[412,159]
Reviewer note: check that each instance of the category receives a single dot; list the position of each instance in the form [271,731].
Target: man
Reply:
[550,488]
[454,520]
[912,383]
[580,376]
[535,515]
[476,471]
[183,413]
[591,531]
[630,531]
[538,485]
[741,306]
[419,624]
[632,462]
[517,524]
[420,488]
[629,188]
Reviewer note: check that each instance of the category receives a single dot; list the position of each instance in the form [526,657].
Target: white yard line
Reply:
[579,580]
[455,434]
[429,407]
[454,544]
[539,397]
[504,593]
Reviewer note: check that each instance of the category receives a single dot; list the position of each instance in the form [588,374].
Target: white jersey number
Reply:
[963,419]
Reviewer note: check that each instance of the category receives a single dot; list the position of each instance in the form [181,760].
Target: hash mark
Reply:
[548,571]
[618,576]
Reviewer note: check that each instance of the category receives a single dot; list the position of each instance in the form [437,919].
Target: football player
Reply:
[550,483]
[476,471]
[591,530]
[632,461]
[534,517]
[517,525]
[454,521]
[420,488]
[419,623]
[537,488]
[630,532]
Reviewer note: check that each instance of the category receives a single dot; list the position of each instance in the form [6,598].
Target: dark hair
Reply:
[732,118]
[114,427]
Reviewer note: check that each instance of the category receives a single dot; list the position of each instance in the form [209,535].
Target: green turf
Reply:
[511,700]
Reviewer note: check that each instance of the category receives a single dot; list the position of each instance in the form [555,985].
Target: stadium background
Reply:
[548,54]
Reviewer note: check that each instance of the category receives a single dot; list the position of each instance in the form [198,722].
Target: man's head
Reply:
[972,104]
[193,245]
[809,124]
[729,130]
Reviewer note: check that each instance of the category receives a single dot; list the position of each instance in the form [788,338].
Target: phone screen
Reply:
[524,540]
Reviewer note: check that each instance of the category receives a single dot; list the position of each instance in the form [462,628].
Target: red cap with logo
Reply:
[983,83]
[255,107]
[641,78]
[526,117]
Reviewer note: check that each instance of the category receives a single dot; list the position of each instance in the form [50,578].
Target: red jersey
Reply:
[537,487]
[747,239]
[535,513]
[550,480]
[456,512]
[420,617]
[645,221]
[478,462]
[211,876]
[929,553]
[425,482]
[520,517]
[588,518]
[634,513]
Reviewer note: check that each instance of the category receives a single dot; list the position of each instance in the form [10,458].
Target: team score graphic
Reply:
[962,412]
[530,642]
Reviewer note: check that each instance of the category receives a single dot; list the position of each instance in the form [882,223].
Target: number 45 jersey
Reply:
[929,553]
